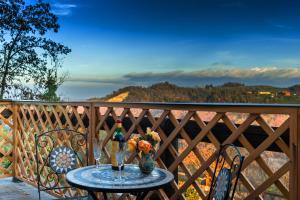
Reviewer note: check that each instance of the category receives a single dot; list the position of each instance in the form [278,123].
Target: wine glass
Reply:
[97,148]
[120,159]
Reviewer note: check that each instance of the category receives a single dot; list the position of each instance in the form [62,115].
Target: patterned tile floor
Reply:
[13,191]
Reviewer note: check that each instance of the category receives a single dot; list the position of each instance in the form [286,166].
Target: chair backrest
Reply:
[226,174]
[58,152]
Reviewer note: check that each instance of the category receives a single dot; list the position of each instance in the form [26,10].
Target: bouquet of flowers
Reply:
[146,144]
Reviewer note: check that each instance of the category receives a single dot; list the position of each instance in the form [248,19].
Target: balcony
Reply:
[268,135]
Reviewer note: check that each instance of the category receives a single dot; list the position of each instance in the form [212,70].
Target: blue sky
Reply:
[116,43]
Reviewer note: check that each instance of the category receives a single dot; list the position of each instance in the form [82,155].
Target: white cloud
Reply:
[252,76]
[271,72]
[63,9]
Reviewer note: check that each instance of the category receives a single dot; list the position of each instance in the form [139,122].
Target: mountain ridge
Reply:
[230,92]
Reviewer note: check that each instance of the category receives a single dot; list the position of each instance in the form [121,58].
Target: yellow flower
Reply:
[131,145]
[148,131]
[136,137]
[155,136]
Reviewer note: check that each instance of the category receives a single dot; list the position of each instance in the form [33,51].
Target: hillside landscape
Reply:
[228,92]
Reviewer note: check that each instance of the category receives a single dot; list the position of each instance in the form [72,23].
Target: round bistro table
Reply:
[105,180]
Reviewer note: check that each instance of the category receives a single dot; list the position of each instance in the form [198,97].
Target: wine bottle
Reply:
[118,142]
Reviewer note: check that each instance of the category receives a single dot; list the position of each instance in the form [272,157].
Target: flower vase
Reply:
[147,164]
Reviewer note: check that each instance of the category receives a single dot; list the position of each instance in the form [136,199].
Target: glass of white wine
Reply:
[97,148]
[120,160]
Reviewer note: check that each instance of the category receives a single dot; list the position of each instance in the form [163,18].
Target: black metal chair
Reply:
[226,173]
[58,152]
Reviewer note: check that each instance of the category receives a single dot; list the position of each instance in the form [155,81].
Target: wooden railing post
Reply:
[295,152]
[15,141]
[92,132]
[296,193]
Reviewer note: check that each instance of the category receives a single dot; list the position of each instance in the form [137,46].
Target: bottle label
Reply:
[114,150]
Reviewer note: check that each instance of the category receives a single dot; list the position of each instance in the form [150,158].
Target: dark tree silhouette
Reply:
[26,54]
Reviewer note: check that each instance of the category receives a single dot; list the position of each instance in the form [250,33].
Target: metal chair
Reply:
[226,173]
[58,152]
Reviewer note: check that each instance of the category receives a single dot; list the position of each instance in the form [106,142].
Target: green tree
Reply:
[49,84]
[26,54]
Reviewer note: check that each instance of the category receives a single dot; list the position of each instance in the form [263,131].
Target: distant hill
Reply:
[119,98]
[229,92]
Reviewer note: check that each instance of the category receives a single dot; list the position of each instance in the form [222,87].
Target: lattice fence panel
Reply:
[39,118]
[6,140]
[191,139]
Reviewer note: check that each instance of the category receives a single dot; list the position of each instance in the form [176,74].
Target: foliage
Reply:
[26,54]
[6,163]
[50,84]
[191,194]
[233,84]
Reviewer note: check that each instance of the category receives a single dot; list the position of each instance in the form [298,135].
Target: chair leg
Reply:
[39,194]
[105,195]
[141,195]
[92,194]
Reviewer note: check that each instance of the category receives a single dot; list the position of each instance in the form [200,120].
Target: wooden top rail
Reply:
[191,104]
[155,104]
[217,107]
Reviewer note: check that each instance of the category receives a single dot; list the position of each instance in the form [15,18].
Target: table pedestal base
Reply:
[141,195]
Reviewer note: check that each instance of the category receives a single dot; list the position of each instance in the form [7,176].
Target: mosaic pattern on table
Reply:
[105,177]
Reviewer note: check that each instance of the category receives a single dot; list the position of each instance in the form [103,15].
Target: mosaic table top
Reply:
[106,179]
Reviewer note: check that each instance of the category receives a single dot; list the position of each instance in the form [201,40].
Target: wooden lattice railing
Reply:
[191,134]
[38,118]
[184,128]
[6,139]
